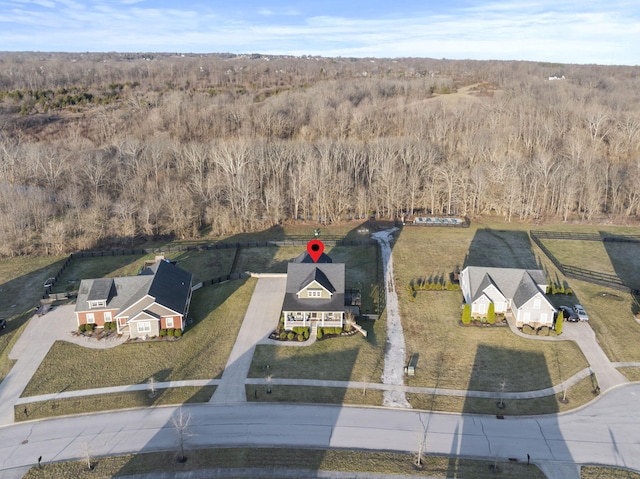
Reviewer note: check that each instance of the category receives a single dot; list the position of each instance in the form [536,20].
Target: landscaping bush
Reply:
[491,314]
[543,331]
[553,333]
[107,325]
[558,325]
[283,335]
[306,333]
[90,327]
[170,331]
[163,333]
[526,329]
[291,335]
[319,336]
[466,314]
[177,332]
[412,293]
[82,328]
[300,337]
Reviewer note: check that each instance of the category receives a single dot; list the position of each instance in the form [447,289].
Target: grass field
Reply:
[317,395]
[632,374]
[353,358]
[202,352]
[108,402]
[289,458]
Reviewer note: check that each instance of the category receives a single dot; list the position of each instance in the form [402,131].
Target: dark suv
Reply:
[568,314]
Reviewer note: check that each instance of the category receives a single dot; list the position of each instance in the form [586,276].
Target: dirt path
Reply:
[394,356]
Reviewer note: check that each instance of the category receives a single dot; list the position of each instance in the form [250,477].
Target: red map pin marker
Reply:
[315,249]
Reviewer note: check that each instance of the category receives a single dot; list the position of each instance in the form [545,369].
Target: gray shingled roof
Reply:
[305,258]
[527,289]
[506,280]
[165,282]
[100,289]
[300,274]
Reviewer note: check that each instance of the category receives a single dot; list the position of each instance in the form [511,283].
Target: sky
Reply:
[564,31]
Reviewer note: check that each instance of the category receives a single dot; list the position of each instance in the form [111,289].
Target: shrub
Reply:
[82,328]
[319,333]
[283,335]
[466,314]
[553,333]
[558,325]
[491,314]
[568,291]
[300,337]
[543,331]
[163,333]
[412,293]
[108,325]
[290,335]
[306,333]
[177,332]
[526,329]
[90,327]
[170,332]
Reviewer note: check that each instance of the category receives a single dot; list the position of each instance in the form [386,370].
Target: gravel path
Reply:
[394,357]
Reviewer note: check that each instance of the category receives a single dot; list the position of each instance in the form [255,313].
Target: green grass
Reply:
[353,358]
[108,402]
[601,472]
[287,458]
[267,259]
[348,231]
[632,374]
[202,353]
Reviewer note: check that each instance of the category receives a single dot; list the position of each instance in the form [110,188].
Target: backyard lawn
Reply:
[201,353]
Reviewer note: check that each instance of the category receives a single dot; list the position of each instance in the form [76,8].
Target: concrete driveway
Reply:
[32,347]
[260,320]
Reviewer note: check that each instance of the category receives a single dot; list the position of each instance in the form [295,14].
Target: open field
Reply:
[108,402]
[290,458]
[353,358]
[317,395]
[201,353]
[632,374]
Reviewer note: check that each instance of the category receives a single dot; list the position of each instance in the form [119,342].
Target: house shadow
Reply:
[501,249]
[500,371]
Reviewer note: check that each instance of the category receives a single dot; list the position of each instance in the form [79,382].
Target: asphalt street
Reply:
[605,432]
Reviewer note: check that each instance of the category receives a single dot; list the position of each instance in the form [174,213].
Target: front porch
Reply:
[332,319]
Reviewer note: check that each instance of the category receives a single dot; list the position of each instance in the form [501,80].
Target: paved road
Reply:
[605,432]
[260,320]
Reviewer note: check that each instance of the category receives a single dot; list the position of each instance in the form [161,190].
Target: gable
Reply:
[314,290]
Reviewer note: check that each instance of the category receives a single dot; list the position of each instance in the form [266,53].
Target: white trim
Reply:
[90,318]
[144,327]
[166,320]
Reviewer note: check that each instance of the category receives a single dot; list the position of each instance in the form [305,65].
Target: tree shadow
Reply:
[534,447]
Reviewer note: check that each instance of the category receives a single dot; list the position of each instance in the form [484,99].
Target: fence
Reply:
[594,277]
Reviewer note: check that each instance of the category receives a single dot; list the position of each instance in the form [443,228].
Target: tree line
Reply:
[166,145]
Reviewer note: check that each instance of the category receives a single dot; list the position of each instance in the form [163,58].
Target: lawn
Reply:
[452,356]
[21,287]
[352,358]
[356,462]
[600,472]
[477,358]
[202,352]
[108,402]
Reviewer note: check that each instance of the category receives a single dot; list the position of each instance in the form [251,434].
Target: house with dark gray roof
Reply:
[314,293]
[140,306]
[520,292]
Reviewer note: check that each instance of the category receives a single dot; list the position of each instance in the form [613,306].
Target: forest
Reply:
[109,149]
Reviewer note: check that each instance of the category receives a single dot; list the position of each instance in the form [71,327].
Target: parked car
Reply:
[49,282]
[568,314]
[582,314]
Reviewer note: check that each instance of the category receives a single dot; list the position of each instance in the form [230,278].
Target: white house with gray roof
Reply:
[520,292]
[314,293]
[158,298]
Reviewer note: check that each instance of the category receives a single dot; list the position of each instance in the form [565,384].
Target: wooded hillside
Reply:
[100,149]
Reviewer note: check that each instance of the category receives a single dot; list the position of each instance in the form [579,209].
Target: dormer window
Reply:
[314,293]
[97,304]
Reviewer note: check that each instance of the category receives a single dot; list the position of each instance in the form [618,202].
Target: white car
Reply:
[582,314]
[49,282]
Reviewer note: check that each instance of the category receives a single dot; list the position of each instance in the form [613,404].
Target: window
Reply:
[90,318]
[169,322]
[107,317]
[144,327]
[97,304]
[314,293]
[536,303]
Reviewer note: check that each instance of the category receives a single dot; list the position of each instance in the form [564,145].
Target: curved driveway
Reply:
[606,432]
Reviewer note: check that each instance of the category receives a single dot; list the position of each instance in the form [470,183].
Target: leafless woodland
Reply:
[108,149]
